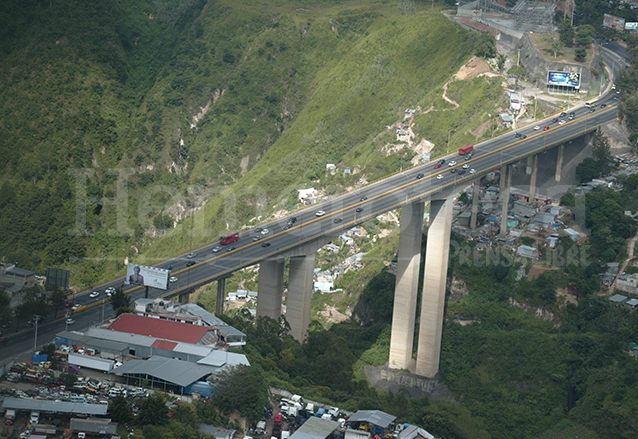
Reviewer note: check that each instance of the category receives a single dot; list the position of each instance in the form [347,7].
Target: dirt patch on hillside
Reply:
[473,68]
[332,315]
[537,270]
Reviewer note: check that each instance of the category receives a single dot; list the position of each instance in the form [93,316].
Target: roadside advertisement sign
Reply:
[564,79]
[633,26]
[147,276]
[614,22]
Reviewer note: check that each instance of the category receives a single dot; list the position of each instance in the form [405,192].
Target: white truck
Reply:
[9,417]
[91,362]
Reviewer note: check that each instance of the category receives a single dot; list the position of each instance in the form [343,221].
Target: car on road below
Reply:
[518,135]
[363,198]
[437,166]
[452,163]
[439,177]
[265,232]
[536,128]
[555,120]
[70,321]
[563,114]
[359,209]
[523,136]
[562,122]
[287,226]
[68,303]
[190,263]
[461,171]
[338,220]
[266,244]
[257,238]
[217,248]
[591,110]
[441,161]
[94,294]
[546,128]
[603,105]
[191,255]
[453,171]
[420,175]
[109,291]
[168,267]
[466,166]
[320,213]
[230,249]
[472,171]
[258,229]
[75,307]
[173,279]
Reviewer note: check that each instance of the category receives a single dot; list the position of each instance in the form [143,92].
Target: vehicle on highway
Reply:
[110,290]
[173,279]
[555,120]
[439,177]
[518,135]
[469,156]
[229,238]
[266,244]
[257,238]
[545,128]
[452,163]
[363,198]
[190,263]
[441,161]
[461,171]
[466,150]
[70,321]
[258,229]
[94,294]
[523,136]
[472,171]
[338,220]
[230,249]
[75,307]
[168,267]
[453,171]
[287,226]
[420,175]
[359,209]
[292,219]
[265,232]
[217,248]
[603,105]
[466,166]
[191,255]
[320,213]
[591,104]
[536,128]
[563,114]
[562,122]
[68,303]
[437,166]
[4,339]
[591,110]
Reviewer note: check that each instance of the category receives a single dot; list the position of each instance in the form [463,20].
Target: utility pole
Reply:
[36,319]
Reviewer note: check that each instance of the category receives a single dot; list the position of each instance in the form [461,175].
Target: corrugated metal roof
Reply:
[122,337]
[218,432]
[376,417]
[212,319]
[224,358]
[163,344]
[100,426]
[159,328]
[193,349]
[315,428]
[181,373]
[54,406]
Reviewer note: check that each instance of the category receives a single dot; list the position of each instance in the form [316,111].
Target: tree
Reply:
[120,300]
[555,44]
[153,410]
[119,410]
[242,388]
[566,33]
[485,46]
[57,299]
[580,54]
[584,34]
[587,169]
[602,152]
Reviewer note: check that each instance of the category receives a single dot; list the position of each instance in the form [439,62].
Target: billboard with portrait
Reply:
[632,26]
[147,276]
[564,79]
[614,22]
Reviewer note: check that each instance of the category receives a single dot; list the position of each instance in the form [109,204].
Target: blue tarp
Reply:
[59,341]
[39,358]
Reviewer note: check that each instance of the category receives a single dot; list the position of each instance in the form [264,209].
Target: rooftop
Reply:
[163,329]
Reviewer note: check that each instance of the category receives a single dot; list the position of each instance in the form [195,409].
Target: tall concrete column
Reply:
[475,203]
[299,299]
[405,291]
[270,288]
[559,162]
[434,280]
[530,162]
[185,297]
[506,183]
[532,179]
[221,295]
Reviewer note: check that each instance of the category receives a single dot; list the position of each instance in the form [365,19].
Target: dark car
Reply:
[555,121]
[266,244]
[230,249]
[453,171]
[518,135]
[591,110]
[603,105]
[287,226]
[442,161]
[292,220]
[258,229]
[359,209]
[338,220]
[168,267]
[461,171]
[190,263]
[363,198]
[523,136]
[420,175]
[563,114]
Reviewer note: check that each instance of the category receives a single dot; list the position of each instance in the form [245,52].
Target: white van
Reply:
[35,417]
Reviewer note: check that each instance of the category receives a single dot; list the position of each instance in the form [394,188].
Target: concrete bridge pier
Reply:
[506,183]
[434,282]
[405,292]
[185,296]
[299,299]
[559,162]
[270,288]
[532,179]
[475,204]
[221,295]
[530,161]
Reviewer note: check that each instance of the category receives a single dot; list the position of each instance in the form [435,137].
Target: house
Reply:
[628,284]
[526,251]
[305,195]
[618,299]
[506,119]
[216,432]
[545,220]
[346,239]
[573,234]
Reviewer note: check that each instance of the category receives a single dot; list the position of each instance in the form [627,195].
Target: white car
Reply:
[265,232]
[472,171]
[217,249]
[536,128]
[561,122]
[191,255]
[173,279]
[320,213]
[466,166]
[452,163]
[75,307]
[439,177]
[70,321]
[94,294]
[110,291]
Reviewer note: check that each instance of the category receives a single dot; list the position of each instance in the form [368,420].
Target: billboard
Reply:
[565,79]
[56,277]
[614,22]
[147,276]
[631,26]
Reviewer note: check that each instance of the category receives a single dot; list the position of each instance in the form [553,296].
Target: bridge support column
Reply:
[532,179]
[475,203]
[528,169]
[221,295]
[559,162]
[299,297]
[506,183]
[405,291]
[185,297]
[270,288]
[434,281]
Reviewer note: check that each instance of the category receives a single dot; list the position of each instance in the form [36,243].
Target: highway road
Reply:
[341,214]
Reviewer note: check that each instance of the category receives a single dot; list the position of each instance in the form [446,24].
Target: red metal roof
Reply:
[163,344]
[166,329]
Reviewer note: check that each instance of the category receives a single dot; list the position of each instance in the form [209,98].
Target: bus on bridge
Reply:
[229,238]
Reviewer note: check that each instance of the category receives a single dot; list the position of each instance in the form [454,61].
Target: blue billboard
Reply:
[563,79]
